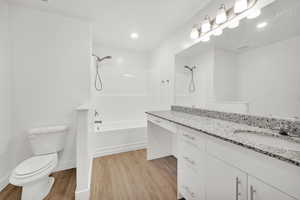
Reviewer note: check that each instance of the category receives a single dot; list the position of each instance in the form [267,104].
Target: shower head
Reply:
[190,68]
[103,58]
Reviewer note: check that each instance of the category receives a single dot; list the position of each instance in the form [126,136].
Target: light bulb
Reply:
[233,24]
[254,13]
[218,32]
[221,15]
[205,38]
[194,33]
[240,6]
[206,25]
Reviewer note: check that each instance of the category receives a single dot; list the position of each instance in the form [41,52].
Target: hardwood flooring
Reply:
[129,176]
[63,188]
[125,176]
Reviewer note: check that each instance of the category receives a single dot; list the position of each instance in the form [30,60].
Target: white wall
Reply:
[124,99]
[5,97]
[51,57]
[269,79]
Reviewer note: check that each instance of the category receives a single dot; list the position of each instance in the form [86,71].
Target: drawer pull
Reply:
[252,191]
[237,193]
[189,160]
[189,137]
[189,191]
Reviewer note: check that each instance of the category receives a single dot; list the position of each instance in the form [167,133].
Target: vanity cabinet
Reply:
[212,169]
[257,190]
[224,181]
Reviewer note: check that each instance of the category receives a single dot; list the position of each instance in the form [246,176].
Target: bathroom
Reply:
[120,100]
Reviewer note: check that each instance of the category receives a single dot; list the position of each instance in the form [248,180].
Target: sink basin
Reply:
[270,140]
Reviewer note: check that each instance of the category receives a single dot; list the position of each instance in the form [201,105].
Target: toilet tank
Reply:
[47,140]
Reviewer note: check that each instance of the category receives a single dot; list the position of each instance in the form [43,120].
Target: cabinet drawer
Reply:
[191,186]
[190,154]
[170,126]
[193,137]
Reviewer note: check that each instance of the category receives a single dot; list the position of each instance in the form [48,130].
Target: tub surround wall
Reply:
[292,126]
[122,102]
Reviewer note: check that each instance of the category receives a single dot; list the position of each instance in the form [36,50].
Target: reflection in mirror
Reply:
[253,69]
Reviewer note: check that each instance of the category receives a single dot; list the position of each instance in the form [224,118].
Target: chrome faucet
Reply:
[97,121]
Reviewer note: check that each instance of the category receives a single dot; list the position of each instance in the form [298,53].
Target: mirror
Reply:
[252,69]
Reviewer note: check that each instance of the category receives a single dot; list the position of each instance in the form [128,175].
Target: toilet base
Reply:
[37,190]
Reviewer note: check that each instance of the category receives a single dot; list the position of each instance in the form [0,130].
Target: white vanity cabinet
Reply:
[224,182]
[257,190]
[224,171]
[212,169]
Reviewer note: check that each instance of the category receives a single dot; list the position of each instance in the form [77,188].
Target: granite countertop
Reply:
[227,131]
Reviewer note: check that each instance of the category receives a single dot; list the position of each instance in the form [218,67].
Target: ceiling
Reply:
[114,20]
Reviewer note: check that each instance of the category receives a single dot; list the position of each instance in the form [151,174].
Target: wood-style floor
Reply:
[125,176]
[129,176]
[63,188]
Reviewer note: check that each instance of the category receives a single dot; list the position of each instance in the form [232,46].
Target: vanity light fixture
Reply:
[225,18]
[205,38]
[206,25]
[217,30]
[254,14]
[234,24]
[195,32]
[240,6]
[221,15]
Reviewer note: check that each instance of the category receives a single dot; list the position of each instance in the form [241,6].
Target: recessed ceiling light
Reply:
[134,36]
[261,25]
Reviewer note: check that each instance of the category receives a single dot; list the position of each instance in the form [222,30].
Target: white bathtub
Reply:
[119,125]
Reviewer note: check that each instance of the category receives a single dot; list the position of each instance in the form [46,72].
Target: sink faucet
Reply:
[285,131]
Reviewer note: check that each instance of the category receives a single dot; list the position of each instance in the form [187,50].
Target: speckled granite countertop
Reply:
[228,131]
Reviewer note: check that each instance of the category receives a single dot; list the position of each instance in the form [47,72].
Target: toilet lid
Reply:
[35,164]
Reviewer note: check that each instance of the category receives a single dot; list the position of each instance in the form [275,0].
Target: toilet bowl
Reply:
[33,174]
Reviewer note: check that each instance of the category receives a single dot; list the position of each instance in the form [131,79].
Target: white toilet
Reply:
[33,173]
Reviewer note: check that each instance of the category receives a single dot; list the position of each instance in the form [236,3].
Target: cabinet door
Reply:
[224,182]
[260,191]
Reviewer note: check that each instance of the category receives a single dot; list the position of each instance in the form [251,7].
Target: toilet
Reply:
[33,174]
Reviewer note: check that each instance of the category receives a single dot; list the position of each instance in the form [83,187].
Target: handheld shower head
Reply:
[190,68]
[103,58]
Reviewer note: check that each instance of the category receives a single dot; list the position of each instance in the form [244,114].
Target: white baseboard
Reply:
[82,194]
[99,152]
[4,181]
[65,164]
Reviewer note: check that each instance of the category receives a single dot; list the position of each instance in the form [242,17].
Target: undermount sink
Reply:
[270,140]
